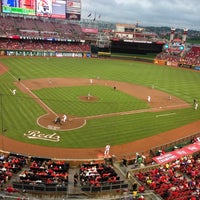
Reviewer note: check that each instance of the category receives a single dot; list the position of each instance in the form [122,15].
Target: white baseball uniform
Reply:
[13,91]
[196,106]
[64,118]
[107,150]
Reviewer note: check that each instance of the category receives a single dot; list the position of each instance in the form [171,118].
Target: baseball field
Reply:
[51,87]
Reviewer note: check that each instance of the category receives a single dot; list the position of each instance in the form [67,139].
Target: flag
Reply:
[94,17]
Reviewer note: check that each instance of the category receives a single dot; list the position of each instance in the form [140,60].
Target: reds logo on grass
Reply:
[34,134]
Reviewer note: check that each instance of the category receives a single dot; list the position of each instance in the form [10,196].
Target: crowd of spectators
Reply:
[39,28]
[95,174]
[169,57]
[192,57]
[41,45]
[9,165]
[176,180]
[45,172]
[18,33]
[179,57]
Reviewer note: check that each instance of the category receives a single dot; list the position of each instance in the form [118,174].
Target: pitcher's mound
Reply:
[73,122]
[88,98]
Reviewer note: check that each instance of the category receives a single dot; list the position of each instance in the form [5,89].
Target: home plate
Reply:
[163,115]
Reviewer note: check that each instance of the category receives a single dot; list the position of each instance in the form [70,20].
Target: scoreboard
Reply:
[26,7]
[64,9]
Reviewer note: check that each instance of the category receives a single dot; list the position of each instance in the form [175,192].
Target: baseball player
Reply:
[107,150]
[64,119]
[57,120]
[88,96]
[149,99]
[196,106]
[50,81]
[13,91]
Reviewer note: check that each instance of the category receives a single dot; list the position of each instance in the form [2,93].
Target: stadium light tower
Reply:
[184,36]
[172,34]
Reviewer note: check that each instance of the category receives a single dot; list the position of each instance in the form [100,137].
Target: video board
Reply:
[70,9]
[51,8]
[73,10]
[24,7]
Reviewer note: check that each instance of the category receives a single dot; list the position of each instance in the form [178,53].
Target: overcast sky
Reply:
[172,13]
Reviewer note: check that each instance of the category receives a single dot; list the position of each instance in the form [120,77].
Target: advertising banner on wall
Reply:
[178,153]
[24,7]
[90,30]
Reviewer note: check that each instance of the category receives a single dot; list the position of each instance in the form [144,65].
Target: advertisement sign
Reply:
[73,9]
[51,8]
[178,153]
[43,8]
[24,7]
[90,30]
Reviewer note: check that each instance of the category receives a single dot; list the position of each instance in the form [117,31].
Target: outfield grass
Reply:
[19,112]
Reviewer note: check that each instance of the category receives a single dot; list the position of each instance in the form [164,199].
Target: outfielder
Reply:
[13,91]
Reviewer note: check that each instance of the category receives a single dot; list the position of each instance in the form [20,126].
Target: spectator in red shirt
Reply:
[141,188]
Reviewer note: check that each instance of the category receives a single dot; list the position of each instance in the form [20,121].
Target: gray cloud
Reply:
[172,13]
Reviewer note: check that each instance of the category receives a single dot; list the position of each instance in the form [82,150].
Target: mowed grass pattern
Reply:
[20,111]
[67,100]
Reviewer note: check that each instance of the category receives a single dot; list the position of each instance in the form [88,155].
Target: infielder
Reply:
[149,99]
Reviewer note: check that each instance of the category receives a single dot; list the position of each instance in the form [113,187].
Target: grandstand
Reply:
[161,176]
[38,37]
[178,53]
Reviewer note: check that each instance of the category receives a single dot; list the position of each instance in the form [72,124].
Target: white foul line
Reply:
[163,115]
[36,97]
